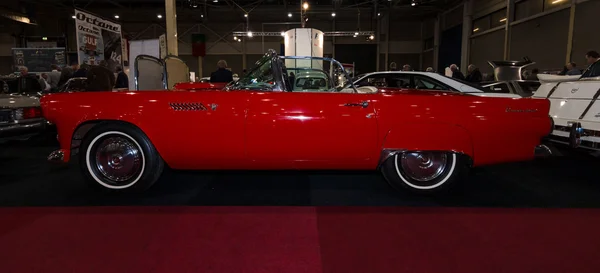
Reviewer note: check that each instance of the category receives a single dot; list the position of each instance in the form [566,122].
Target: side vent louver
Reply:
[187,106]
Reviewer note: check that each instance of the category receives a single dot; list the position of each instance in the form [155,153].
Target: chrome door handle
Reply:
[363,104]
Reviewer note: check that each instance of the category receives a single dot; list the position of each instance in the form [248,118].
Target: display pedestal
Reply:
[304,42]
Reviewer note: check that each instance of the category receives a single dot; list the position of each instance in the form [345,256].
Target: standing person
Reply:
[292,79]
[81,72]
[474,75]
[122,79]
[406,67]
[28,83]
[44,82]
[593,58]
[54,77]
[222,74]
[572,69]
[67,73]
[456,74]
[429,69]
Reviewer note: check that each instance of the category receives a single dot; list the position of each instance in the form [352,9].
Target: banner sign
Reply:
[38,59]
[98,39]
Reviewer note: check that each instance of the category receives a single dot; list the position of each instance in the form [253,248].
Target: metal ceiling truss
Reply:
[327,33]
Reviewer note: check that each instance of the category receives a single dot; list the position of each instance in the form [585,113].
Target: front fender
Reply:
[425,136]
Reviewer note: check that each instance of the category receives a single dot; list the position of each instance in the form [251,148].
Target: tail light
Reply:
[28,113]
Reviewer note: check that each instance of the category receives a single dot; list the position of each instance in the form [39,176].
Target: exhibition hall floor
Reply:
[538,216]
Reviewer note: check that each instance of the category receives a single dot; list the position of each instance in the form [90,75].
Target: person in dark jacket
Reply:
[533,76]
[222,74]
[122,79]
[67,73]
[572,69]
[593,58]
[456,74]
[474,75]
[81,72]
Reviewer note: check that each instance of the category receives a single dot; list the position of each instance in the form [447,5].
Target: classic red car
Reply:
[423,141]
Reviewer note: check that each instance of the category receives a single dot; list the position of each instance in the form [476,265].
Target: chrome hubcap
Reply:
[423,167]
[118,159]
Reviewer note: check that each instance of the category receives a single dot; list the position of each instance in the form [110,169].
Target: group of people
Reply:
[57,77]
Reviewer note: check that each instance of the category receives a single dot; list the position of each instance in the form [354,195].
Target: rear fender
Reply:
[427,137]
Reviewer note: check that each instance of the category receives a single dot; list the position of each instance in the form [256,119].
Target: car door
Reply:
[199,129]
[312,130]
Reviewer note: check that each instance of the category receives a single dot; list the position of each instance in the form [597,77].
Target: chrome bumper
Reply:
[22,129]
[542,151]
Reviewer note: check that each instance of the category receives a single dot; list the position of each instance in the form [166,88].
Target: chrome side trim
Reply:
[56,156]
[542,151]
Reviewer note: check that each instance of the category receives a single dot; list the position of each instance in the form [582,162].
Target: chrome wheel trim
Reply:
[132,143]
[408,180]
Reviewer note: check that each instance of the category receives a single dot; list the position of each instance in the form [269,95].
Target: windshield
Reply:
[294,74]
[20,85]
[261,77]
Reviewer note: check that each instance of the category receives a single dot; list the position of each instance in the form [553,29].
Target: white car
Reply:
[20,116]
[574,109]
[422,80]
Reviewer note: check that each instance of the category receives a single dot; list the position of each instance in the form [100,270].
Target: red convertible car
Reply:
[423,141]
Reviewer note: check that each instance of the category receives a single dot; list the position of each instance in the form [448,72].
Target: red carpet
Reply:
[298,239]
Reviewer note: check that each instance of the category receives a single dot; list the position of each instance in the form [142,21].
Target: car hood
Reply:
[16,101]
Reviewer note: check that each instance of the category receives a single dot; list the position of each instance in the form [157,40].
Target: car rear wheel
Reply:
[425,172]
[119,157]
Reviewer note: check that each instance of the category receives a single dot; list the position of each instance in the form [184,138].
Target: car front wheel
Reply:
[119,157]
[425,172]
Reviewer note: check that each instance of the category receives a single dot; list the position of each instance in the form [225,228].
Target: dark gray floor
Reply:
[26,179]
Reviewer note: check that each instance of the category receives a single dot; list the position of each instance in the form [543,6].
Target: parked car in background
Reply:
[422,140]
[421,81]
[521,88]
[20,117]
[575,110]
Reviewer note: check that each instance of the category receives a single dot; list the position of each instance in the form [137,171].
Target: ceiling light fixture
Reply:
[159,16]
[503,20]
[289,15]
[333,14]
[116,16]
[282,33]
[249,33]
[73,17]
[305,5]
[246,15]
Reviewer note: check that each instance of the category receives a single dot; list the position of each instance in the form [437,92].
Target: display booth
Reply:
[149,73]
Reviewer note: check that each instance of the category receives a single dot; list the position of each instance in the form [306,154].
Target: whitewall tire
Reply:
[119,157]
[424,172]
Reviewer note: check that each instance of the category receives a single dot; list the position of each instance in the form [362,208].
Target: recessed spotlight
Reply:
[379,14]
[159,16]
[45,38]
[371,37]
[305,5]
[116,16]
[245,15]
[73,17]
[289,15]
[215,1]
[202,15]
[333,14]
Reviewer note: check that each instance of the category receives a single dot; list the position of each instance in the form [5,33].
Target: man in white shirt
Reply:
[54,77]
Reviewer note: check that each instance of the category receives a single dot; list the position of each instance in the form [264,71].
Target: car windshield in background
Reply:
[471,84]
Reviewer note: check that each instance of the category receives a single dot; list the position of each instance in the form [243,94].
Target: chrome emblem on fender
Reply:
[213,106]
[574,90]
[510,110]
